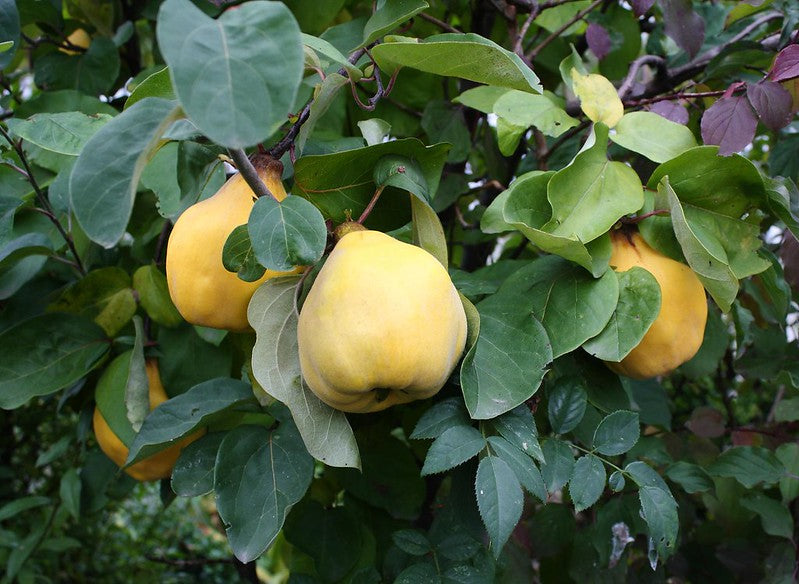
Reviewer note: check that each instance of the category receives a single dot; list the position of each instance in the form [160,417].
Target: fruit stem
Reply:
[370,206]
[639,218]
[249,174]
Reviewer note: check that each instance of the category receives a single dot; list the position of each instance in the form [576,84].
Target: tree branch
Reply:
[576,18]
[636,65]
[249,174]
[439,23]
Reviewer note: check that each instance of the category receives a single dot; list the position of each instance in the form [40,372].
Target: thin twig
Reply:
[576,18]
[370,206]
[675,96]
[636,65]
[565,137]
[249,174]
[439,23]
[43,201]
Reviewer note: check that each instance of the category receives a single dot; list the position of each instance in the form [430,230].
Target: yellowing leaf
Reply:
[598,98]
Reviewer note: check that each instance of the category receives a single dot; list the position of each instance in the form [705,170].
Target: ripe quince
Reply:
[382,325]
[676,334]
[157,466]
[77,38]
[203,291]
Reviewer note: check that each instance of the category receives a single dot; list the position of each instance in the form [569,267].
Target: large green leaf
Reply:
[343,182]
[638,307]
[389,15]
[64,133]
[276,366]
[524,109]
[775,517]
[749,465]
[468,56]
[259,475]
[186,413]
[46,353]
[193,474]
[286,234]
[106,175]
[653,136]
[499,499]
[507,363]
[454,447]
[236,77]
[572,306]
[524,206]
[93,72]
[9,30]
[592,193]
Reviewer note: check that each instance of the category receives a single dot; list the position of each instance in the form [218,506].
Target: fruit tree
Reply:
[361,291]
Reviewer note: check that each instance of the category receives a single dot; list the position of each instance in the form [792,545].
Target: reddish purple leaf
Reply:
[671,111]
[706,422]
[641,6]
[786,65]
[683,25]
[772,102]
[789,254]
[598,40]
[730,123]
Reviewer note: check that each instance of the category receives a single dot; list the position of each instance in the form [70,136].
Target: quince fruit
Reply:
[677,333]
[157,466]
[77,38]
[382,325]
[203,291]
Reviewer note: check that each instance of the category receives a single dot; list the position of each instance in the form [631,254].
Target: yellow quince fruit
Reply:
[203,291]
[677,333]
[382,325]
[157,466]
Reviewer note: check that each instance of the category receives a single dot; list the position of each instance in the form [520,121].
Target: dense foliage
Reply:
[517,142]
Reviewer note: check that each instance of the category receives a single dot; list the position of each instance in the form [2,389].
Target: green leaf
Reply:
[388,16]
[559,465]
[193,474]
[46,353]
[522,466]
[137,384]
[23,246]
[566,406]
[727,185]
[444,123]
[259,475]
[524,206]
[468,56]
[499,499]
[617,433]
[9,30]
[659,510]
[654,136]
[518,427]
[482,98]
[236,77]
[411,541]
[343,182]
[637,309]
[276,366]
[749,465]
[645,476]
[64,133]
[324,48]
[616,481]
[186,413]
[103,295]
[422,573]
[441,416]
[542,111]
[332,537]
[572,306]
[286,234]
[106,175]
[428,233]
[326,93]
[788,455]
[93,72]
[69,490]
[718,248]
[592,193]
[239,256]
[455,446]
[507,363]
[156,85]
[403,173]
[21,505]
[374,130]
[691,477]
[775,517]
[150,283]
[587,482]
